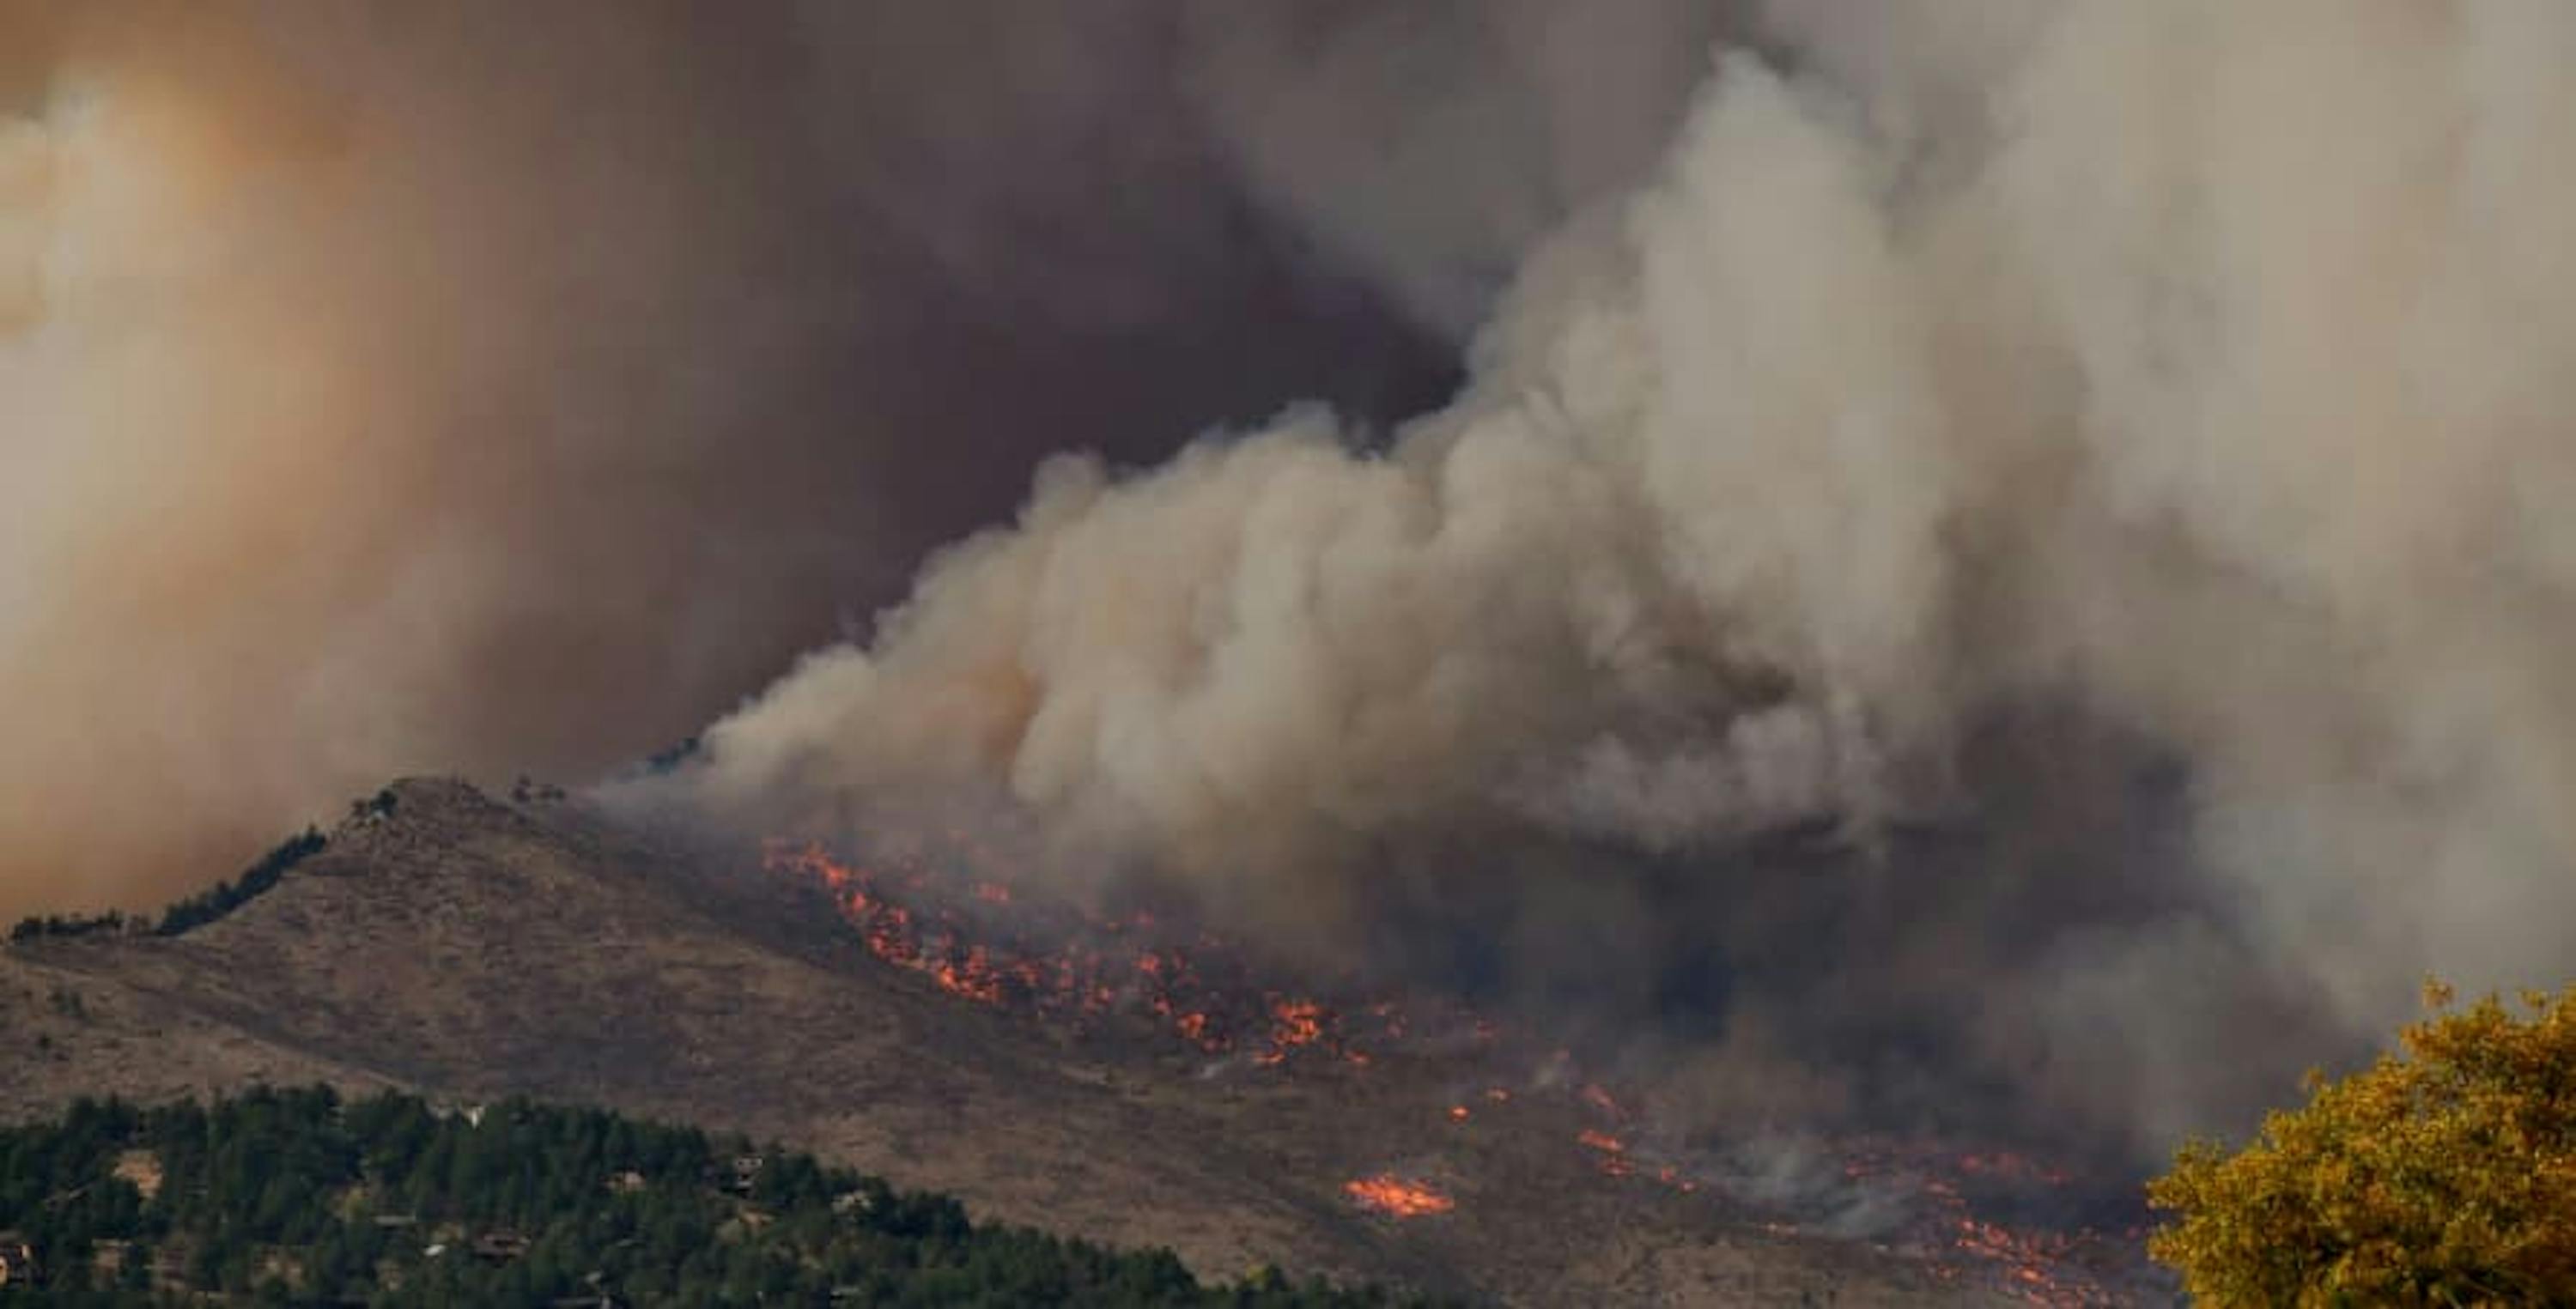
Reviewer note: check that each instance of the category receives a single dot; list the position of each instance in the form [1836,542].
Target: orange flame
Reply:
[950,949]
[1614,1152]
[1397,1197]
[973,979]
[1300,1022]
[1293,1023]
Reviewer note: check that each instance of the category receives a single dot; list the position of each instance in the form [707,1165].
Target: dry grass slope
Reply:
[469,947]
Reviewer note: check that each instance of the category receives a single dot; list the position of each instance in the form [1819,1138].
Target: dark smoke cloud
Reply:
[503,387]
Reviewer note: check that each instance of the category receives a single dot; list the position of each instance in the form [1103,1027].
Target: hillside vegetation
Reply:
[302,1198]
[195,910]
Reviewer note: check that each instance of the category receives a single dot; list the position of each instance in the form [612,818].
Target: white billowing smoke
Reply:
[2203,365]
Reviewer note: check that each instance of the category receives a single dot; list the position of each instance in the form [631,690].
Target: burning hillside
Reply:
[995,946]
[950,912]
[479,949]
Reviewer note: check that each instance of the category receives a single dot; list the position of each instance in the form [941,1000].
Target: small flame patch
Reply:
[1397,1197]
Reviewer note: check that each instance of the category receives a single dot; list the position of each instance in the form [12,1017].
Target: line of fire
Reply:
[984,940]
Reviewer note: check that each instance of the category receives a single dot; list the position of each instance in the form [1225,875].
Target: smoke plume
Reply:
[2025,553]
[499,388]
[1993,545]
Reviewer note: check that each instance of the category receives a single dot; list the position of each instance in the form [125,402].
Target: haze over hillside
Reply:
[475,948]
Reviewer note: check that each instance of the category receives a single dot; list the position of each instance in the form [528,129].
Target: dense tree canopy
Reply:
[2444,1175]
[300,1198]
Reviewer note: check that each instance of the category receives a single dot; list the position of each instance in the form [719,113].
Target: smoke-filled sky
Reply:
[504,388]
[2097,465]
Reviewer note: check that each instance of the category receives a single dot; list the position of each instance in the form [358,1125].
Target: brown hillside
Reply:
[471,947]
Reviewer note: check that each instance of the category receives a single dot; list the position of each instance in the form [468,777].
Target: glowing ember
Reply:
[1614,1152]
[1389,1017]
[2029,1264]
[972,978]
[1397,1197]
[2011,1167]
[2039,1267]
[1600,1099]
[1293,1023]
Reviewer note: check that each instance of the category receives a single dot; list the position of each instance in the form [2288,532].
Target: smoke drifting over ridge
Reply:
[492,387]
[2096,458]
[2072,425]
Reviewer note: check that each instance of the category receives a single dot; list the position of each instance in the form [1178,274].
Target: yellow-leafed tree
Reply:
[2443,1175]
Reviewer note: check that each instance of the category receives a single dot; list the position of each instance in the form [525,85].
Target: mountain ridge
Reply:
[460,944]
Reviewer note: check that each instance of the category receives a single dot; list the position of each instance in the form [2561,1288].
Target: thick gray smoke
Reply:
[2010,434]
[500,387]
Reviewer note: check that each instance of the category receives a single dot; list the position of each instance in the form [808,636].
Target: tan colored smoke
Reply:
[493,387]
[2202,365]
